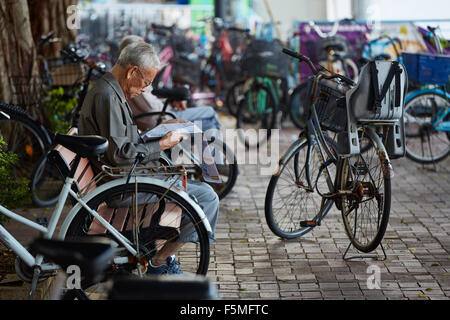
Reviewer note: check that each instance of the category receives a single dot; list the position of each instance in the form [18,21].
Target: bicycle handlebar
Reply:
[162,27]
[74,56]
[48,37]
[315,70]
[301,57]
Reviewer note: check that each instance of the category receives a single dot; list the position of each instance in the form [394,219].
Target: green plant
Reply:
[59,105]
[14,191]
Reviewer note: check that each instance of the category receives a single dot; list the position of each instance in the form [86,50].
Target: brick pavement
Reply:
[250,262]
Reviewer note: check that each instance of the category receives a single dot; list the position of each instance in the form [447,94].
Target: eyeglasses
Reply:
[145,81]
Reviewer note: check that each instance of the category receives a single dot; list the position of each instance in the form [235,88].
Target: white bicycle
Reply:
[141,210]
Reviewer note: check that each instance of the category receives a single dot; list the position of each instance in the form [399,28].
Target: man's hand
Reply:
[179,105]
[170,140]
[174,121]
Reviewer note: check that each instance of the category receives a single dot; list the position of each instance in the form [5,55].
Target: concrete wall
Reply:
[289,11]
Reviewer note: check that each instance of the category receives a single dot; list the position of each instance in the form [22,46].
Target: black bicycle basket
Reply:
[64,72]
[265,58]
[330,104]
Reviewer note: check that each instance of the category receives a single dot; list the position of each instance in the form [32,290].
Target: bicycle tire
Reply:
[25,137]
[264,119]
[428,136]
[229,171]
[195,257]
[275,224]
[46,183]
[364,240]
[297,104]
[233,97]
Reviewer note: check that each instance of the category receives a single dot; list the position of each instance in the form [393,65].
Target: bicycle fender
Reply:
[74,211]
[4,115]
[301,139]
[388,171]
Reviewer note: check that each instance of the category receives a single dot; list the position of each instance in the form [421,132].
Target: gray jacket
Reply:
[105,112]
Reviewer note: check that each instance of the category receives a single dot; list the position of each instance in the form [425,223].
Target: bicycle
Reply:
[427,112]
[140,209]
[265,92]
[332,52]
[24,135]
[45,181]
[94,255]
[315,172]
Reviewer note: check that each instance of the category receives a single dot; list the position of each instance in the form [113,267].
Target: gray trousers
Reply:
[209,201]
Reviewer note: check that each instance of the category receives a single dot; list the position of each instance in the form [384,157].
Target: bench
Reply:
[119,217]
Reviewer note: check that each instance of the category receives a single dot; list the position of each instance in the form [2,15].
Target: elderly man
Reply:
[147,102]
[105,112]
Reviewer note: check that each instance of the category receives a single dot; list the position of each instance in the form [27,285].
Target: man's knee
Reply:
[203,192]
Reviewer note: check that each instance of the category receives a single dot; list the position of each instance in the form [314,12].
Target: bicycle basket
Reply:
[330,104]
[265,58]
[64,72]
[426,68]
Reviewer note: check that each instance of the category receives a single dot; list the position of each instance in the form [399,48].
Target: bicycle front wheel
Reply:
[292,195]
[366,203]
[26,139]
[164,218]
[424,144]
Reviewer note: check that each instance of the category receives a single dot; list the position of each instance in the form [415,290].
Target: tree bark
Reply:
[18,61]
[51,15]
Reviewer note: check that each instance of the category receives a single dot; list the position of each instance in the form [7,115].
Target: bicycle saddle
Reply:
[174,94]
[92,255]
[84,146]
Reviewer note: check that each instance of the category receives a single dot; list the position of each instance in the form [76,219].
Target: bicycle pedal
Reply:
[308,223]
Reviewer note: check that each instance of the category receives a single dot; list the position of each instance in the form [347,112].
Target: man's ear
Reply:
[130,71]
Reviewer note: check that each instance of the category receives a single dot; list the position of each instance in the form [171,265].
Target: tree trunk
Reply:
[51,15]
[18,61]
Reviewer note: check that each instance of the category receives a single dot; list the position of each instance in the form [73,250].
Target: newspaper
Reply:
[208,165]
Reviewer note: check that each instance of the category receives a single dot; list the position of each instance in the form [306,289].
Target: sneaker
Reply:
[172,267]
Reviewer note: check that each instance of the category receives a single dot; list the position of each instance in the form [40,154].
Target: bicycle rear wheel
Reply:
[118,206]
[234,95]
[424,144]
[289,200]
[256,116]
[227,168]
[46,183]
[366,205]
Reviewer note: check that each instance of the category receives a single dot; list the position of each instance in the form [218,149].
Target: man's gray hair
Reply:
[139,54]
[129,40]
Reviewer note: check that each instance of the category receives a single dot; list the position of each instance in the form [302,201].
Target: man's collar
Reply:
[108,77]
